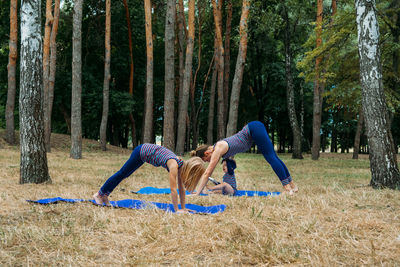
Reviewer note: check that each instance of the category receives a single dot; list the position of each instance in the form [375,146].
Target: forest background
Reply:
[264,85]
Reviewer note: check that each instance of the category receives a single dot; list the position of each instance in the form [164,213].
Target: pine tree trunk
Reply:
[384,169]
[194,110]
[220,60]
[211,107]
[46,68]
[360,122]
[181,39]
[183,105]
[33,165]
[317,103]
[290,93]
[148,114]
[76,102]
[238,77]
[12,62]
[52,74]
[302,112]
[169,95]
[227,59]
[107,76]
[128,23]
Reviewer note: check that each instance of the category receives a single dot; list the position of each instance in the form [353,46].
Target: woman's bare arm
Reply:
[220,149]
[182,192]
[173,175]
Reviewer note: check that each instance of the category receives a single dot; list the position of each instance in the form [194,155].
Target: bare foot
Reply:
[101,200]
[294,187]
[288,190]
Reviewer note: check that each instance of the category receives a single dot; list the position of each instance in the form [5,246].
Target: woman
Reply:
[185,174]
[242,141]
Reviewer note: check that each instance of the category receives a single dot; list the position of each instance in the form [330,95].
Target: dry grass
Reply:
[333,220]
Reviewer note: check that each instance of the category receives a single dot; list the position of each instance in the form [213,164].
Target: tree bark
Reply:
[360,123]
[128,23]
[302,111]
[12,73]
[46,68]
[237,79]
[290,92]
[220,60]
[181,38]
[183,105]
[148,115]
[76,102]
[194,117]
[107,76]
[227,59]
[211,108]
[52,71]
[317,103]
[384,169]
[33,164]
[169,94]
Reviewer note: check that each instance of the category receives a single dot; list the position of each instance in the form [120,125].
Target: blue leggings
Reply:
[261,139]
[133,163]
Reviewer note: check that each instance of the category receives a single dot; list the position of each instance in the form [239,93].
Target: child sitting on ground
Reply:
[228,186]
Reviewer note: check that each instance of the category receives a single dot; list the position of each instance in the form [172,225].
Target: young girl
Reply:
[184,173]
[242,141]
[228,185]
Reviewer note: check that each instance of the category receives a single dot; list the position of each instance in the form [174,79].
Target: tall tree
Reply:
[33,165]
[46,68]
[107,76]
[317,103]
[238,77]
[227,58]
[76,102]
[52,70]
[384,169]
[184,99]
[220,59]
[148,113]
[290,89]
[128,23]
[169,94]
[194,111]
[12,62]
[181,47]
[211,107]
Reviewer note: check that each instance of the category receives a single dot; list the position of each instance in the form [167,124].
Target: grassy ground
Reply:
[335,219]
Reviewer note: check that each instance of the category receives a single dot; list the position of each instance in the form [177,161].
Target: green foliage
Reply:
[263,92]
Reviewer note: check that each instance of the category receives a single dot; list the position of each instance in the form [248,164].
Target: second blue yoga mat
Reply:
[154,190]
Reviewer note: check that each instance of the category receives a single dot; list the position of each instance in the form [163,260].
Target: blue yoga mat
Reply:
[136,204]
[154,190]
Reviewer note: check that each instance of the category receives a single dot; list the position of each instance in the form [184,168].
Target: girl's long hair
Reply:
[191,172]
